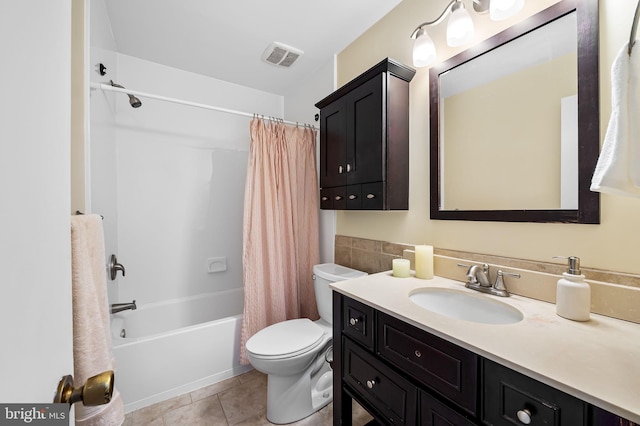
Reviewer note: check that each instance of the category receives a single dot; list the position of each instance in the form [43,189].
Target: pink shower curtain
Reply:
[280,229]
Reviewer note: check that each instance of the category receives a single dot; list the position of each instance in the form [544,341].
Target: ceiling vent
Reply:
[281,55]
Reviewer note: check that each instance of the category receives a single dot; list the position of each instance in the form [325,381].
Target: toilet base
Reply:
[291,398]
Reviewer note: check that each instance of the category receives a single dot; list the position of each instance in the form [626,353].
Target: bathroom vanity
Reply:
[408,365]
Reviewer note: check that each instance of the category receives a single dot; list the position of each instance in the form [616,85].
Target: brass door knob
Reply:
[97,390]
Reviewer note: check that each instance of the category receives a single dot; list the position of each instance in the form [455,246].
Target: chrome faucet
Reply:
[478,279]
[119,307]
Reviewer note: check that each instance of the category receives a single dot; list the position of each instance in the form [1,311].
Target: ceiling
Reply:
[226,39]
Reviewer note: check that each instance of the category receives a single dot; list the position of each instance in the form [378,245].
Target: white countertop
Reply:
[597,361]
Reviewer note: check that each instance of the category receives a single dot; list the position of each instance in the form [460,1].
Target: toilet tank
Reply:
[325,274]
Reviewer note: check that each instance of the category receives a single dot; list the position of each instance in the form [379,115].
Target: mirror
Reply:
[515,122]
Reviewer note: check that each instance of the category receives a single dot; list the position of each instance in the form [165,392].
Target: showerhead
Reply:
[134,101]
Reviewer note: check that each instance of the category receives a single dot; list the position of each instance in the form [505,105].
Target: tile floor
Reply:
[240,400]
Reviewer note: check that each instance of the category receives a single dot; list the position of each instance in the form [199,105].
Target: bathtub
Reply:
[170,348]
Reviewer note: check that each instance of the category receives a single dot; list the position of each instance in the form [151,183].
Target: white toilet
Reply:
[292,353]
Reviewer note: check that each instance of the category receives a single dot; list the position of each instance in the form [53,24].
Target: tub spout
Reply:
[119,307]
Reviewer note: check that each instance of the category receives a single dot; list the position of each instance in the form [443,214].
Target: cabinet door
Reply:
[333,144]
[510,398]
[358,322]
[354,197]
[373,196]
[435,413]
[366,132]
[392,396]
[333,198]
[326,198]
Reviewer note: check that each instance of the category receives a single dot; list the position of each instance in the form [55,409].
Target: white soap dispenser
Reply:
[573,294]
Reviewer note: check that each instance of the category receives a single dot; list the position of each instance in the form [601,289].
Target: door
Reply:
[35,305]
[333,148]
[365,132]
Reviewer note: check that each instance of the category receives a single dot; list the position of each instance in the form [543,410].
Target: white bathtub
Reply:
[177,346]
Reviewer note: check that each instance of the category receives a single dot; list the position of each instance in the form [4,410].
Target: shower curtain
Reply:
[280,229]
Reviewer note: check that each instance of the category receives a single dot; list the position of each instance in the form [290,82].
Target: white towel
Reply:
[618,168]
[92,348]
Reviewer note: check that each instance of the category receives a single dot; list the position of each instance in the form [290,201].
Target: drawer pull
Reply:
[371,196]
[524,416]
[338,198]
[353,321]
[353,197]
[325,198]
[417,353]
[371,383]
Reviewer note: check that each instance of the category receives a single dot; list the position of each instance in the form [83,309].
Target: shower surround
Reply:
[169,180]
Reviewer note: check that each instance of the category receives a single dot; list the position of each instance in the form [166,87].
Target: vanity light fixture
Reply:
[460,29]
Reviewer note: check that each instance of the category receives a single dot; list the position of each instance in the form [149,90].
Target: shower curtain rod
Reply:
[105,86]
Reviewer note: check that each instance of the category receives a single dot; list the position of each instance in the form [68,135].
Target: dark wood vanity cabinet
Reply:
[364,141]
[404,375]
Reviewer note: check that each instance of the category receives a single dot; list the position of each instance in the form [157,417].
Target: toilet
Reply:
[294,354]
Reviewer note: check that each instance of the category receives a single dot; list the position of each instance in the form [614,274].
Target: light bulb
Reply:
[504,9]
[460,26]
[424,51]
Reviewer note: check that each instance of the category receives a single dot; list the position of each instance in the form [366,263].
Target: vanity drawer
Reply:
[435,413]
[508,395]
[393,396]
[447,368]
[358,322]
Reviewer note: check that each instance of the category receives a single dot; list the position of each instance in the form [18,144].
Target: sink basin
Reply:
[465,306]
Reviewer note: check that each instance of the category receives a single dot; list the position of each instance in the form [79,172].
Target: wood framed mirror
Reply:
[520,143]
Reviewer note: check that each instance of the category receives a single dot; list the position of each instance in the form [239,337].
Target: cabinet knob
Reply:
[324,198]
[370,196]
[371,383]
[348,167]
[353,197]
[340,169]
[353,321]
[524,416]
[417,353]
[338,198]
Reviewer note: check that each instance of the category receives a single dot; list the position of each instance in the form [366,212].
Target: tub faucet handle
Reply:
[114,267]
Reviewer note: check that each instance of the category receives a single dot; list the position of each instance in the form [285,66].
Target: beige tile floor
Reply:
[241,400]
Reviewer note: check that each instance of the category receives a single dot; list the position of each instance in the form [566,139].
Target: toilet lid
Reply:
[285,338]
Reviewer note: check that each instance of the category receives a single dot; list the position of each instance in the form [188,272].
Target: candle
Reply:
[424,262]
[401,268]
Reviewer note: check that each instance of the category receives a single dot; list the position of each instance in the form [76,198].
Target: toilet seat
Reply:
[285,339]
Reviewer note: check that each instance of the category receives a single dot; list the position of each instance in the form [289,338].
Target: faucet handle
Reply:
[499,285]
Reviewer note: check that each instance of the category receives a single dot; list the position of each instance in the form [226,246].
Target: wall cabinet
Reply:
[406,376]
[364,141]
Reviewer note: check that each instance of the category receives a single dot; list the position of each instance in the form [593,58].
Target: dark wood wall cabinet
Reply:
[364,141]
[403,375]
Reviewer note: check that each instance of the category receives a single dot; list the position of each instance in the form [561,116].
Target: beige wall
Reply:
[612,245]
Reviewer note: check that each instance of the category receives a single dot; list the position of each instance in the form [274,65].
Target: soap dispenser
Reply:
[573,294]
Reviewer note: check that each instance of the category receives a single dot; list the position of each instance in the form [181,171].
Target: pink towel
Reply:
[92,348]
